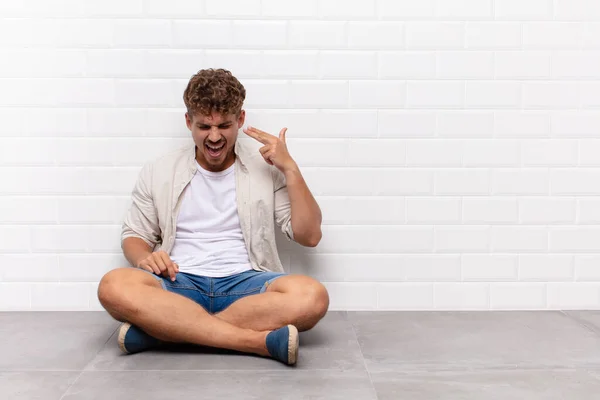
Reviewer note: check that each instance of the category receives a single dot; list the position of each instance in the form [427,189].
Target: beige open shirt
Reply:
[262,201]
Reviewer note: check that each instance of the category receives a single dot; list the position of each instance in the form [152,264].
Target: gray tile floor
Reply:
[354,355]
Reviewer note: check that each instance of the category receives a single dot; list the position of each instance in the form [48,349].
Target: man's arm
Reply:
[135,250]
[141,220]
[141,231]
[305,212]
[291,192]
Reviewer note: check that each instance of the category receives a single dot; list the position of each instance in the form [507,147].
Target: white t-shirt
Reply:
[208,238]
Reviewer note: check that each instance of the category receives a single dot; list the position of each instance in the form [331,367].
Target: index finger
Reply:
[170,265]
[259,135]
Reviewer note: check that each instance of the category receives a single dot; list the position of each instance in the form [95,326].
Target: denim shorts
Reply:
[216,294]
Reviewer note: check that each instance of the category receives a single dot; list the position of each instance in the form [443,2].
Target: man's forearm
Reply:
[135,250]
[306,213]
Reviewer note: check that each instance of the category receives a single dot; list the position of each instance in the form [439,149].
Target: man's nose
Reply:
[214,135]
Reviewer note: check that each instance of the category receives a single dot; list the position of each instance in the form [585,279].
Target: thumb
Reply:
[282,134]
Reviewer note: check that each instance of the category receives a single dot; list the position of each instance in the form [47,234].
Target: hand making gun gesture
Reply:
[274,151]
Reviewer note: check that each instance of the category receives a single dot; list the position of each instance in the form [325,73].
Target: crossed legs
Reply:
[134,296]
[293,299]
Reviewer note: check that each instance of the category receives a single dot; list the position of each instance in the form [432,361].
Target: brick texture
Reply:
[453,145]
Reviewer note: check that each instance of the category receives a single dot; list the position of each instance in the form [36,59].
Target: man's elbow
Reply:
[313,239]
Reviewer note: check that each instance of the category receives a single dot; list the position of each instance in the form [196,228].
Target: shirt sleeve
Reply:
[141,220]
[283,209]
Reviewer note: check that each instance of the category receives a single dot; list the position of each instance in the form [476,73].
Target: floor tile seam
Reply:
[22,370]
[225,370]
[362,356]
[82,371]
[428,368]
[71,385]
[86,366]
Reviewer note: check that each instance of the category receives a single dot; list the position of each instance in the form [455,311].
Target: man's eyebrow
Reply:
[221,124]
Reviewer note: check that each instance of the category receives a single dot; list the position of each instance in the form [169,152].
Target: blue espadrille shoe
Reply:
[283,344]
[133,340]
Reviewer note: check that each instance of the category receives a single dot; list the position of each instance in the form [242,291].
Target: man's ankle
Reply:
[257,343]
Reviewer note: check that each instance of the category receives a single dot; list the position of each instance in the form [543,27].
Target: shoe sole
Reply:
[122,332]
[293,345]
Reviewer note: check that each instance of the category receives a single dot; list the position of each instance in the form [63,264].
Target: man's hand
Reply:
[274,151]
[159,263]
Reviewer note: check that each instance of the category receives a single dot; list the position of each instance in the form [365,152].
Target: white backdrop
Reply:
[452,144]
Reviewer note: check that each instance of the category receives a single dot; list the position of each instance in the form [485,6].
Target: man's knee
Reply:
[109,288]
[315,300]
[116,290]
[320,299]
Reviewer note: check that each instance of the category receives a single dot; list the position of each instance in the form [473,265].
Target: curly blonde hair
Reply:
[214,90]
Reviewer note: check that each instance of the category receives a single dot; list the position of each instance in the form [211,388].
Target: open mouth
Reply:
[214,150]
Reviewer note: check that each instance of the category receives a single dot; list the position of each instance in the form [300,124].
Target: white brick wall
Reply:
[452,144]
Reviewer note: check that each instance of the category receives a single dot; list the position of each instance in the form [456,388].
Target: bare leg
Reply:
[138,298]
[295,299]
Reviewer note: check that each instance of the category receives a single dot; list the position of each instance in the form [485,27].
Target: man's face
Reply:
[215,137]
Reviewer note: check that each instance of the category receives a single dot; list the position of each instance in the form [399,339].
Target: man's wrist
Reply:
[292,169]
[140,259]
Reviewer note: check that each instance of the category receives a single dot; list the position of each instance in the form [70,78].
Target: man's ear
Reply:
[242,118]
[188,121]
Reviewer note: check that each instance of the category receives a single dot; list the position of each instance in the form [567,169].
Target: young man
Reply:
[201,232]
